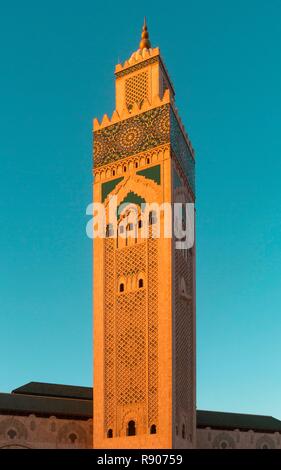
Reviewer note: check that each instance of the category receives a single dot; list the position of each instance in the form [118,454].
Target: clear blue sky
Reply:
[56,73]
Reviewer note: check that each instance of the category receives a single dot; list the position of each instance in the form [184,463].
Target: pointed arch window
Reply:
[153,429]
[109,230]
[131,429]
[152,218]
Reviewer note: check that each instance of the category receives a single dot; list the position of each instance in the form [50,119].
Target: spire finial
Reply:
[145,42]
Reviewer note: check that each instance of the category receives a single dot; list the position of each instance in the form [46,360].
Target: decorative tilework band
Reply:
[131,136]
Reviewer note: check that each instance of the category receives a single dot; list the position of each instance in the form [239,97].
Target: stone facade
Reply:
[33,432]
[226,439]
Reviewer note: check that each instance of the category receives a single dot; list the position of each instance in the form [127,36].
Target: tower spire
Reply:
[145,42]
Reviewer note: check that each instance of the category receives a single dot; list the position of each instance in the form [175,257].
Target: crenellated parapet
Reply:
[137,57]
[135,110]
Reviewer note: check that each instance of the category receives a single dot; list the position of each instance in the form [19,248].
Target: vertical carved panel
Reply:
[136,88]
[131,336]
[153,332]
[109,333]
[184,340]
[131,354]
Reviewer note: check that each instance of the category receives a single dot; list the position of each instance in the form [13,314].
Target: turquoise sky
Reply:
[56,73]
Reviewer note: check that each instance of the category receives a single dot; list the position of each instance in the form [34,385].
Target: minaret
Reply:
[144,288]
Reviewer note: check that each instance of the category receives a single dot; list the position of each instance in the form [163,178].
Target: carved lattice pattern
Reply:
[153,332]
[136,88]
[184,339]
[131,335]
[109,332]
[131,332]
[131,348]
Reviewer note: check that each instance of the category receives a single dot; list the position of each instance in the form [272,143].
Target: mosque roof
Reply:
[75,402]
[245,422]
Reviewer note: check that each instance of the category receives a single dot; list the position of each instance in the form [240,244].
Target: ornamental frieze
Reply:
[131,136]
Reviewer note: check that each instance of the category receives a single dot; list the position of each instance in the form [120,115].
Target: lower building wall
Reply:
[33,432]
[208,438]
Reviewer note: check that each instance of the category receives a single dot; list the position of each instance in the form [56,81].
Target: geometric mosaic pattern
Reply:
[131,136]
[150,129]
[182,151]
